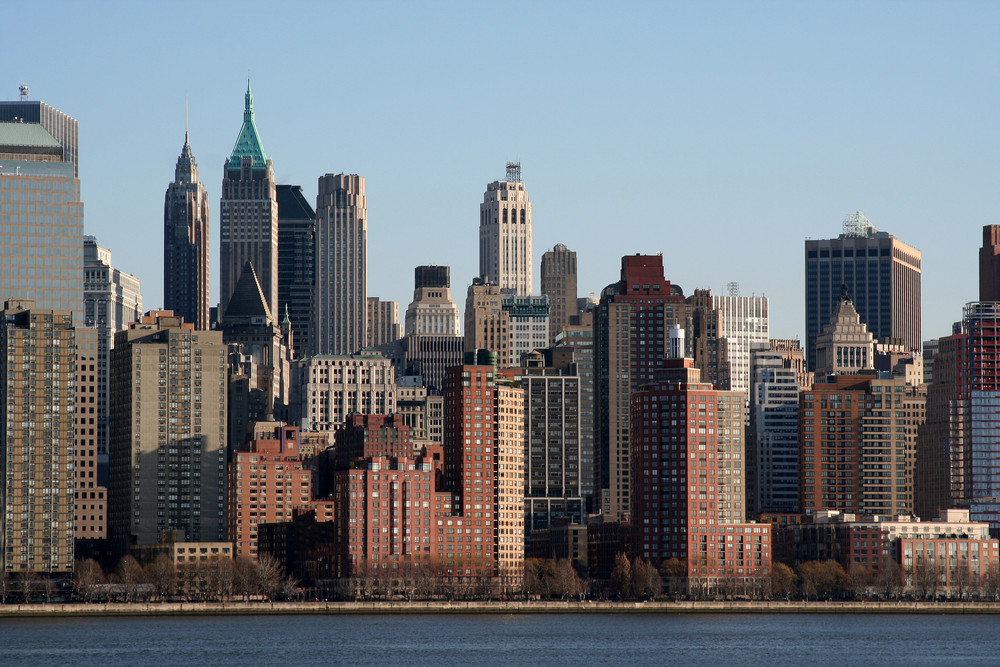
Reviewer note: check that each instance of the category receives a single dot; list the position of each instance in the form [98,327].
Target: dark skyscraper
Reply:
[989,264]
[185,243]
[249,214]
[882,276]
[296,265]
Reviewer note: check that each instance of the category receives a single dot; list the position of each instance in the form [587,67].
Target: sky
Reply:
[721,134]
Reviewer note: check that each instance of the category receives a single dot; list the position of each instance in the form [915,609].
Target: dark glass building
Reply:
[882,277]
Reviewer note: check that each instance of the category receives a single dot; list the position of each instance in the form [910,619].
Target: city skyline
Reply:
[761,126]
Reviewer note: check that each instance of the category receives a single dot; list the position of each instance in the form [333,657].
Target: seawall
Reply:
[511,607]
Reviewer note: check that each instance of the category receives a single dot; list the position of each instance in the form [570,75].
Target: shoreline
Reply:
[47,610]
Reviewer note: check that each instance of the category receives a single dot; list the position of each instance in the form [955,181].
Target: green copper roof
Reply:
[248,144]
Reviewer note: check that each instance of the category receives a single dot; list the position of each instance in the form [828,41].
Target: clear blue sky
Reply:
[721,133]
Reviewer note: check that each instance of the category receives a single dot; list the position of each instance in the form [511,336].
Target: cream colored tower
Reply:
[505,249]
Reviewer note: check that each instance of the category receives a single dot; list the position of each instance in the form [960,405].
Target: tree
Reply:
[822,579]
[244,577]
[621,578]
[269,575]
[674,571]
[889,578]
[27,583]
[565,581]
[646,580]
[926,577]
[87,576]
[782,580]
[162,574]
[861,580]
[129,575]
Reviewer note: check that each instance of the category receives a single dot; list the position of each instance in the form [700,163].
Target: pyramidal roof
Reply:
[248,144]
[248,300]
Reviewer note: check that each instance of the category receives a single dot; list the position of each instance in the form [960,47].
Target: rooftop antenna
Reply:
[186,118]
[24,92]
[733,288]
[513,172]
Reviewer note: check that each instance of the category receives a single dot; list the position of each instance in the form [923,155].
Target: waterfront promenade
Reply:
[494,607]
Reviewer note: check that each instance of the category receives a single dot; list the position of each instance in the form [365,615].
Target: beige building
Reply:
[846,345]
[37,395]
[423,413]
[487,324]
[167,444]
[558,276]
[505,238]
[432,310]
[331,387]
[383,322]
[90,510]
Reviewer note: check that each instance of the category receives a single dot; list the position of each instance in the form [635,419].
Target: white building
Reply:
[744,324]
[331,387]
[505,236]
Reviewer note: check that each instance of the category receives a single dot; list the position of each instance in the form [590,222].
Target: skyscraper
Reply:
[641,301]
[249,214]
[882,276]
[505,237]
[745,323]
[559,284]
[37,467]
[296,265]
[383,322]
[41,219]
[341,264]
[185,242]
[989,264]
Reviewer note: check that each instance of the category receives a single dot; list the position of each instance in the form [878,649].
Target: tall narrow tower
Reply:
[505,250]
[249,214]
[559,284]
[341,264]
[989,264]
[185,242]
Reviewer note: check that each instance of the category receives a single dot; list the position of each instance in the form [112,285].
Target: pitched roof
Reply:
[247,300]
[248,143]
[28,138]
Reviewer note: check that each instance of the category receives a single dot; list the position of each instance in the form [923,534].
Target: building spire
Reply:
[248,144]
[187,119]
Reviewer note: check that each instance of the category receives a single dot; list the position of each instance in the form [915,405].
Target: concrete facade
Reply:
[505,234]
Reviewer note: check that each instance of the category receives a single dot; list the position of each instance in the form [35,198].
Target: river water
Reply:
[528,639]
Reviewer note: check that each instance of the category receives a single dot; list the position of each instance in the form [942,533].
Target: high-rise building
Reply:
[558,276]
[112,300]
[645,302]
[882,277]
[772,456]
[429,356]
[579,339]
[989,264]
[383,322]
[267,484]
[505,237]
[484,470]
[529,326]
[487,324]
[249,214]
[341,264]
[37,467]
[958,453]
[90,518]
[553,477]
[296,265]
[432,310]
[857,436]
[41,218]
[167,441]
[62,127]
[687,481]
[745,323]
[185,242]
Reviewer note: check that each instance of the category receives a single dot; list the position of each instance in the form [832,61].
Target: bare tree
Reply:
[269,575]
[244,577]
[27,583]
[926,577]
[129,575]
[565,581]
[889,578]
[646,580]
[87,576]
[861,580]
[162,574]
[674,571]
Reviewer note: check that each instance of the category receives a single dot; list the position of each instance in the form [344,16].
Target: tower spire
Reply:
[186,121]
